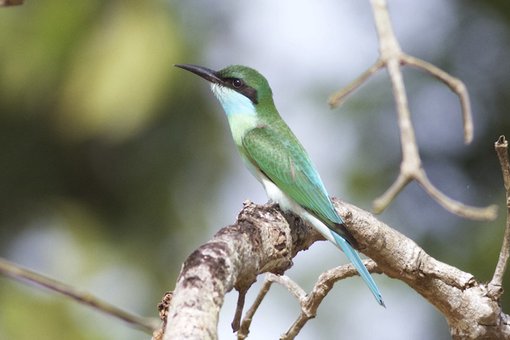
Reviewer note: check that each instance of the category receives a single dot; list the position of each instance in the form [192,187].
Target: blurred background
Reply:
[115,166]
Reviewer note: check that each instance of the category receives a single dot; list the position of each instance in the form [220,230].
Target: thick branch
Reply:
[463,301]
[262,240]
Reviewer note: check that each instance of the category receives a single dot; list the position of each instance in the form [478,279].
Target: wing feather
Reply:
[286,163]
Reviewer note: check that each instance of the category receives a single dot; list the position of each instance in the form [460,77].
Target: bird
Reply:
[274,155]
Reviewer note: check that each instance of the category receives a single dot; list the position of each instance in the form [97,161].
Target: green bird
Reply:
[276,158]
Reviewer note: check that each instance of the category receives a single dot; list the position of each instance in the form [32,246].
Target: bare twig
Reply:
[455,84]
[311,302]
[5,3]
[236,323]
[244,330]
[496,284]
[474,213]
[283,280]
[21,274]
[392,57]
[336,99]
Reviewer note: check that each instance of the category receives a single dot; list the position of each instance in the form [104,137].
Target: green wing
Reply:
[285,162]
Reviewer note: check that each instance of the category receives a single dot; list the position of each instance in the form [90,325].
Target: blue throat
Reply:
[233,102]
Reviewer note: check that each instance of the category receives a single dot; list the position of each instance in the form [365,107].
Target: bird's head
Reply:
[236,86]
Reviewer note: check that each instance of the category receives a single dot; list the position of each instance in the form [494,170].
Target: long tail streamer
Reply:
[353,256]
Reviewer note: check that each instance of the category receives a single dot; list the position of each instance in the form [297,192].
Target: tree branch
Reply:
[265,240]
[456,85]
[260,241]
[5,3]
[311,302]
[24,275]
[391,56]
[245,325]
[337,99]
[496,284]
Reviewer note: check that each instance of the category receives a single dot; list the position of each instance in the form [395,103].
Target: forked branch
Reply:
[392,57]
[309,302]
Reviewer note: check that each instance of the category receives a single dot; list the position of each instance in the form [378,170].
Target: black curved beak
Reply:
[201,71]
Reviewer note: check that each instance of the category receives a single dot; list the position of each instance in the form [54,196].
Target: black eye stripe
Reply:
[240,86]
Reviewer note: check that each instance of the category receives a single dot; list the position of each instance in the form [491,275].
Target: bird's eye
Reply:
[237,83]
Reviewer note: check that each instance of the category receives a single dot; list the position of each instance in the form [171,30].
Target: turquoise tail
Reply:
[353,256]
